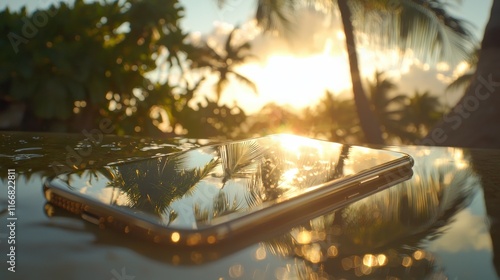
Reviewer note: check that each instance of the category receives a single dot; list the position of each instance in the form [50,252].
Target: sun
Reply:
[286,79]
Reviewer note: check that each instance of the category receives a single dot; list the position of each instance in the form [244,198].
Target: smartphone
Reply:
[229,191]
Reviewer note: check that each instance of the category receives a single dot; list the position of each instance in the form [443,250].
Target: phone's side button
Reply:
[352,195]
[90,218]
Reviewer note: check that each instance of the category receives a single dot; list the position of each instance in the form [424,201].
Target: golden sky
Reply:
[296,69]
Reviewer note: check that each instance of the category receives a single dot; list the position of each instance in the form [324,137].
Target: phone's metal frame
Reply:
[321,199]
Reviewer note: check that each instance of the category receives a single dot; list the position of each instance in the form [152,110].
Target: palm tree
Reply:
[423,111]
[463,81]
[423,25]
[239,159]
[333,118]
[222,205]
[224,62]
[389,109]
[369,124]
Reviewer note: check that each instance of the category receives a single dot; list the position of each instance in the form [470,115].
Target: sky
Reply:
[285,72]
[297,71]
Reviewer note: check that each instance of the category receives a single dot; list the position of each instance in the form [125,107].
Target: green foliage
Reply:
[424,111]
[89,61]
[64,62]
[152,185]
[390,108]
[222,62]
[422,26]
[72,66]
[404,118]
[335,119]
[211,119]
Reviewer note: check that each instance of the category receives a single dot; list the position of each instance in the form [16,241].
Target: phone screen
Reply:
[209,185]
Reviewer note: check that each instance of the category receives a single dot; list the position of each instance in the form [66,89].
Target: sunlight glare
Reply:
[294,144]
[291,80]
[290,175]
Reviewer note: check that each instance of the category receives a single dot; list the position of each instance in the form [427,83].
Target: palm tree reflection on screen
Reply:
[152,185]
[386,233]
[280,172]
[239,159]
[266,174]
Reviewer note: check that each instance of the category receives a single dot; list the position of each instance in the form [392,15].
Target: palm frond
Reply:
[212,57]
[223,62]
[398,99]
[246,81]
[420,26]
[220,86]
[473,58]
[236,157]
[275,15]
[221,205]
[254,195]
[201,214]
[461,82]
[202,173]
[152,185]
[230,52]
[241,54]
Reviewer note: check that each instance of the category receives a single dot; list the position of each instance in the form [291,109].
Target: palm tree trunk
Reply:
[368,121]
[475,120]
[339,168]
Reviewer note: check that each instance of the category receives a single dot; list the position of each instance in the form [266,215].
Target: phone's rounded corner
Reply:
[47,187]
[410,160]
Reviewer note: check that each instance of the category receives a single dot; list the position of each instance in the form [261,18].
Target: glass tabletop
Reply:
[442,223]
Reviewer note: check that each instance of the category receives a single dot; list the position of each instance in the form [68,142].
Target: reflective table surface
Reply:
[440,224]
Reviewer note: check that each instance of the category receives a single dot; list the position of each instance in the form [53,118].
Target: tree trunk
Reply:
[368,121]
[486,163]
[475,120]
